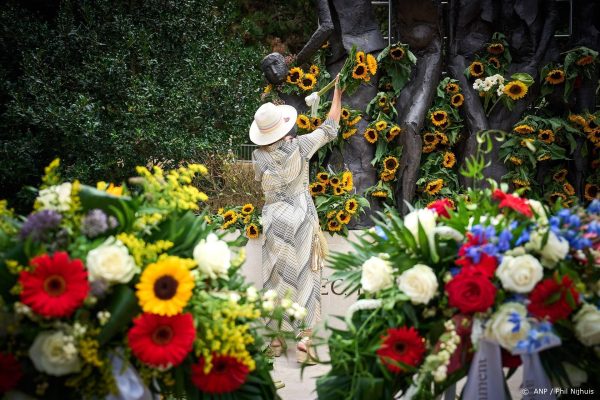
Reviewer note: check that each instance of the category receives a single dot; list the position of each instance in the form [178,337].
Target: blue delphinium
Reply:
[39,225]
[594,207]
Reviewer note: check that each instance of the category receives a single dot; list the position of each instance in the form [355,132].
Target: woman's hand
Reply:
[336,104]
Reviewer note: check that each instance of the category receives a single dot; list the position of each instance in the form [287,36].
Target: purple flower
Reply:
[96,222]
[39,225]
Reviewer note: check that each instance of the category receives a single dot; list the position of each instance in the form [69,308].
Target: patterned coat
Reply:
[289,219]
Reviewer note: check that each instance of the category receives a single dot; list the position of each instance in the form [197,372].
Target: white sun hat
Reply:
[271,123]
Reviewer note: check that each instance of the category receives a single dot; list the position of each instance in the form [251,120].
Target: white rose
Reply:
[111,262]
[426,217]
[520,274]
[54,353]
[56,197]
[539,211]
[419,283]
[504,330]
[556,248]
[213,256]
[587,325]
[376,274]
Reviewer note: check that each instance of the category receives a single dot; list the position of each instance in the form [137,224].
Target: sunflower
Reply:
[585,60]
[520,183]
[382,101]
[439,117]
[524,129]
[247,219]
[452,88]
[379,193]
[391,164]
[345,113]
[516,160]
[560,175]
[355,120]
[434,187]
[229,218]
[546,136]
[351,206]
[371,135]
[495,62]
[594,136]
[578,119]
[295,75]
[360,71]
[515,90]
[323,177]
[387,176]
[303,121]
[457,100]
[247,209]
[428,148]
[307,82]
[314,69]
[476,69]
[555,76]
[360,57]
[331,214]
[544,157]
[347,181]
[441,137]
[252,231]
[349,132]
[165,287]
[335,181]
[343,217]
[554,197]
[220,211]
[430,139]
[338,190]
[495,48]
[525,141]
[568,189]
[591,191]
[325,45]
[315,122]
[372,64]
[395,130]
[380,125]
[397,53]
[316,188]
[449,159]
[268,88]
[334,226]
[590,125]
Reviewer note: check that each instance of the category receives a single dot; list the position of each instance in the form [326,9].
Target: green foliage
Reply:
[107,86]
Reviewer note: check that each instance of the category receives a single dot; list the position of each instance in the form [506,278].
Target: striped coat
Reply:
[290,220]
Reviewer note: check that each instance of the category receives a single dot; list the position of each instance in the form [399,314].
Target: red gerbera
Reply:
[553,299]
[441,207]
[401,345]
[516,203]
[470,292]
[10,372]
[162,341]
[226,375]
[56,286]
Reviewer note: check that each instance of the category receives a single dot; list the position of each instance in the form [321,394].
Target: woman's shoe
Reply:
[304,352]
[276,347]
[279,385]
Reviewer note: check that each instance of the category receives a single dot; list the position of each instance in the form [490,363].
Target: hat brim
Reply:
[262,139]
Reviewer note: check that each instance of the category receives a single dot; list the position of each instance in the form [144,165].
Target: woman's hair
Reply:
[292,133]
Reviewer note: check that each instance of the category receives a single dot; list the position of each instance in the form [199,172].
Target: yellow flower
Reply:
[371,135]
[316,188]
[430,139]
[524,129]
[252,231]
[110,188]
[347,181]
[516,160]
[397,53]
[392,133]
[382,101]
[315,122]
[591,191]
[338,190]
[391,164]
[334,226]
[343,217]
[307,82]
[434,187]
[351,206]
[360,57]
[457,100]
[303,121]
[314,69]
[372,64]
[439,117]
[349,132]
[379,193]
[515,90]
[546,136]
[520,183]
[452,88]
[220,211]
[247,219]
[594,136]
[591,125]
[428,148]
[476,69]
[585,60]
[560,175]
[323,177]
[555,77]
[495,62]
[449,159]
[359,71]
[569,189]
[268,88]
[355,120]
[380,125]
[335,181]
[387,176]
[554,197]
[247,209]
[165,287]
[229,218]
[495,48]
[294,75]
[345,113]
[331,214]
[578,119]
[441,137]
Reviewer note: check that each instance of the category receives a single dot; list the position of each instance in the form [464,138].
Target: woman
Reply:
[291,248]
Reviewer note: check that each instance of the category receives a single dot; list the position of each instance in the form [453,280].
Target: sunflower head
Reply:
[441,137]
[380,125]
[335,181]
[494,62]
[457,100]
[439,117]
[578,119]
[343,217]
[314,69]
[303,121]
[360,71]
[387,176]
[391,164]
[397,53]
[351,206]
[546,136]
[370,135]
[355,120]
[347,181]
[428,148]
[516,160]
[476,69]
[555,77]
[452,88]
[165,287]
[372,64]
[524,129]
[520,183]
[307,82]
[252,231]
[430,139]
[515,90]
[323,177]
[495,48]
[449,159]
[434,187]
[349,132]
[556,196]
[591,191]
[315,122]
[331,214]
[395,130]
[247,208]
[295,75]
[585,60]
[379,193]
[360,57]
[568,189]
[345,113]
[560,175]
[334,226]
[230,217]
[382,101]
[338,190]
[544,157]
[316,188]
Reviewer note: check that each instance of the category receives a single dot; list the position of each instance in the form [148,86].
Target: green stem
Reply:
[487,114]
[327,88]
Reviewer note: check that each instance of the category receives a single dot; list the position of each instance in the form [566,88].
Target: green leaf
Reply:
[123,307]
[523,77]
